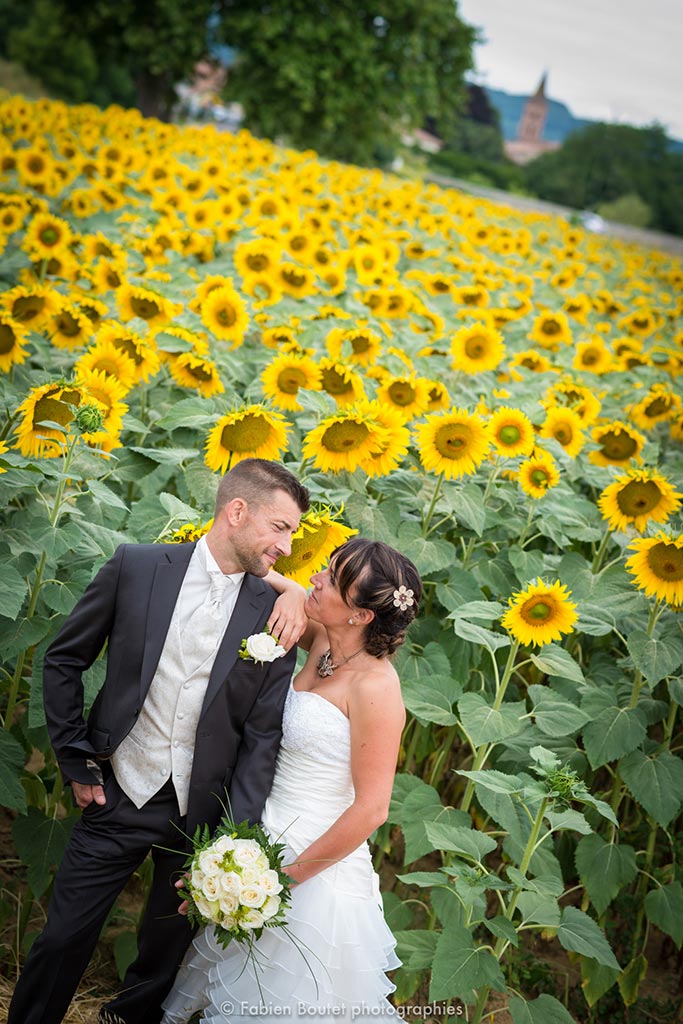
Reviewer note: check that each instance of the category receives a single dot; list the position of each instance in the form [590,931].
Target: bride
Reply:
[342,726]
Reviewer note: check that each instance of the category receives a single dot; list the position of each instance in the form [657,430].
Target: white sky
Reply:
[609,60]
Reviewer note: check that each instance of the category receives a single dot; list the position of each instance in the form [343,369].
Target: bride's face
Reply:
[325,603]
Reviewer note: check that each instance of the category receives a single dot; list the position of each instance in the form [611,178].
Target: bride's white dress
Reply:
[336,916]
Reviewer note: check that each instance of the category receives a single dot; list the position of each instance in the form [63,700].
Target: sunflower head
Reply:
[454,443]
[638,497]
[319,534]
[657,567]
[618,443]
[537,475]
[477,348]
[540,614]
[511,432]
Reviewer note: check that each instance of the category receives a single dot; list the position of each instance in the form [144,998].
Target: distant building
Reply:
[529,142]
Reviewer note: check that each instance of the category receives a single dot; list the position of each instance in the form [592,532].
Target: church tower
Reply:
[532,121]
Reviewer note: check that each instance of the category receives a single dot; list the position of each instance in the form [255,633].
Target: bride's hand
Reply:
[288,620]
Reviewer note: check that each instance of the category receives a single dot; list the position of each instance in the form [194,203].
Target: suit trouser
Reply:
[107,845]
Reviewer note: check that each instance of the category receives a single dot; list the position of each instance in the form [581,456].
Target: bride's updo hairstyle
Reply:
[386,582]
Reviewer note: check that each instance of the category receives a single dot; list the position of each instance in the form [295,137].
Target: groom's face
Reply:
[265,532]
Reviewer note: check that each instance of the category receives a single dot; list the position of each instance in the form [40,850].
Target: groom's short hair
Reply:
[255,479]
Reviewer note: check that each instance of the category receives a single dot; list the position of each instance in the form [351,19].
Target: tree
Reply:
[604,162]
[342,76]
[107,51]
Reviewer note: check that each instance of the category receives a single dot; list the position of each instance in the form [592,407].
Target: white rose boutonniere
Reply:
[261,647]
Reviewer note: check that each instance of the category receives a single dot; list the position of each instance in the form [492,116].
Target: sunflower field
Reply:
[496,394]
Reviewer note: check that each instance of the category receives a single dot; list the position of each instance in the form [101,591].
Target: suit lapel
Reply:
[168,579]
[245,618]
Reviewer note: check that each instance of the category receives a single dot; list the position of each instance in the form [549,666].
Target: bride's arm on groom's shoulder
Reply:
[288,621]
[377,717]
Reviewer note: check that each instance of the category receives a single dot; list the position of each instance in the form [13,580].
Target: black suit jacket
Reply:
[129,605]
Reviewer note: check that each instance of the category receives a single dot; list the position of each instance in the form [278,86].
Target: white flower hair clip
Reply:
[403,598]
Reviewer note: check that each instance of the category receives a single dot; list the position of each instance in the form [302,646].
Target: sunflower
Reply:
[208,285]
[511,432]
[394,446]
[477,348]
[46,236]
[345,440]
[249,432]
[454,443]
[592,356]
[145,304]
[319,534]
[550,330]
[540,614]
[107,276]
[70,328]
[640,323]
[537,475]
[188,533]
[224,313]
[408,395]
[262,288]
[619,443]
[31,307]
[283,378]
[438,396]
[638,497]
[658,567]
[12,342]
[530,360]
[581,400]
[295,280]
[190,370]
[142,352]
[659,405]
[107,393]
[105,357]
[368,261]
[565,425]
[360,345]
[49,403]
[341,382]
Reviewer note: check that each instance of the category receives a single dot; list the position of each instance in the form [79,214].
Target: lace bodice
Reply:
[313,726]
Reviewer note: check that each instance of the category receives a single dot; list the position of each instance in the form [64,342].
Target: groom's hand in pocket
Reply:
[85,795]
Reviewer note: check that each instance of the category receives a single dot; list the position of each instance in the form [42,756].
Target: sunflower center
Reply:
[146,309]
[226,315]
[27,307]
[67,325]
[199,373]
[107,366]
[360,344]
[536,610]
[401,393]
[551,327]
[453,440]
[539,478]
[52,410]
[638,497]
[113,279]
[590,357]
[345,436]
[659,407]
[335,384]
[563,433]
[257,262]
[470,298]
[291,379]
[49,236]
[268,208]
[475,347]
[101,249]
[618,444]
[440,286]
[130,349]
[8,339]
[247,435]
[509,434]
[666,562]
[295,278]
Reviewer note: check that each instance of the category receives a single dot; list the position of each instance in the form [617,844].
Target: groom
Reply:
[179,721]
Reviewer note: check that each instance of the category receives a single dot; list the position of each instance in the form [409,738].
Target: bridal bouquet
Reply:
[235,881]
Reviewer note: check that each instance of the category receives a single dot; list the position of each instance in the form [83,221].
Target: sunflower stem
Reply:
[638,680]
[600,553]
[527,525]
[430,511]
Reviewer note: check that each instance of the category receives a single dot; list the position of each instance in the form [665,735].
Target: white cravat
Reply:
[205,627]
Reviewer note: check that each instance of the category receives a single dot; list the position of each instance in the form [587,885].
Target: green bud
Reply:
[89,418]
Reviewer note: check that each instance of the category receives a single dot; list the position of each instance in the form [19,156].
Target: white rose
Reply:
[270,907]
[229,921]
[228,903]
[209,862]
[270,882]
[263,647]
[262,862]
[230,882]
[223,845]
[250,875]
[210,887]
[252,919]
[252,896]
[246,852]
[209,911]
[196,878]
